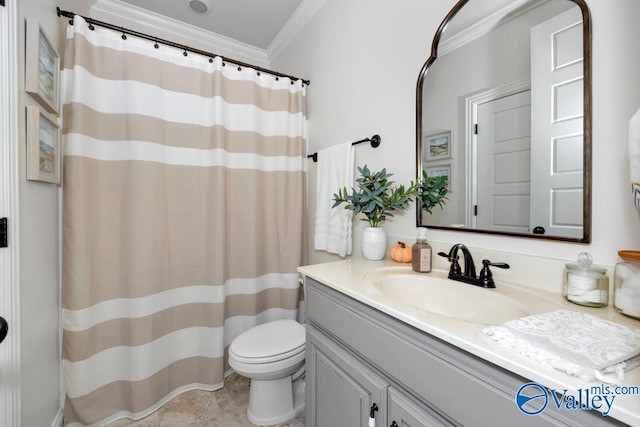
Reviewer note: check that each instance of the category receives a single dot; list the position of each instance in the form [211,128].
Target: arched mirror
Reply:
[504,112]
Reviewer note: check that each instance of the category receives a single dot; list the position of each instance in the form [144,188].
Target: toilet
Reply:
[272,356]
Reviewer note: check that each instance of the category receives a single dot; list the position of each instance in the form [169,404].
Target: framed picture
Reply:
[42,68]
[442,170]
[44,161]
[437,147]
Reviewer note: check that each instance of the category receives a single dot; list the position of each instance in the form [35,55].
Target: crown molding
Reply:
[301,17]
[485,25]
[136,18]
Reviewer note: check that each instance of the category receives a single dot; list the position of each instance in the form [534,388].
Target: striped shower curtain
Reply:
[183,218]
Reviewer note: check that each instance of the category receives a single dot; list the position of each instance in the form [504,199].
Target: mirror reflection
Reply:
[504,113]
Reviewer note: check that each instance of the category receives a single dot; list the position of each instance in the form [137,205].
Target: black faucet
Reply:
[484,279]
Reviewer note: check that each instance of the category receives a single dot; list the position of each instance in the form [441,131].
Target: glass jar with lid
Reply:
[626,290]
[584,283]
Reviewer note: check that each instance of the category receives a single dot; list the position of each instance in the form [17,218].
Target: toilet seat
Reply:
[269,343]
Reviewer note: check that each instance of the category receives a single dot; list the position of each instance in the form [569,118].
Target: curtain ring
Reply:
[124,36]
[239,68]
[184,53]
[156,45]
[91,27]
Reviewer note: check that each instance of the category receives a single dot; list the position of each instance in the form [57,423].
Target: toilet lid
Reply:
[269,341]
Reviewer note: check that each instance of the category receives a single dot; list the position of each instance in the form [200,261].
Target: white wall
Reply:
[39,243]
[363,59]
[39,256]
[39,260]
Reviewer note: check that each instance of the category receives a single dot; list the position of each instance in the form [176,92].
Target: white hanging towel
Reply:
[333,225]
[634,158]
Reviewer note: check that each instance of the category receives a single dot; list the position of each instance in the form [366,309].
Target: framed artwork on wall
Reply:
[441,170]
[438,146]
[42,68]
[44,160]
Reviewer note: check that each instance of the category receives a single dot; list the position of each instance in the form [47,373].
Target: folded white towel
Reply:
[577,343]
[333,226]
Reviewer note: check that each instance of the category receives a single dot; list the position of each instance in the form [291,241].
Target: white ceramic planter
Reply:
[374,243]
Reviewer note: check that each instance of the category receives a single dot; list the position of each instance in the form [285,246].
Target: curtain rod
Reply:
[375,143]
[157,40]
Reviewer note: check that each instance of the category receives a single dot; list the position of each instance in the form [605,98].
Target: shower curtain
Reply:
[183,218]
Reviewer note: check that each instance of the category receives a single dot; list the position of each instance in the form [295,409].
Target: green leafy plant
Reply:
[432,191]
[376,197]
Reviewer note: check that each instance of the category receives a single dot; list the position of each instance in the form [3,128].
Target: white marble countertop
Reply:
[347,277]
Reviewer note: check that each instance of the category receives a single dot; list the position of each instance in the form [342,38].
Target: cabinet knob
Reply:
[394,424]
[4,329]
[372,415]
[372,412]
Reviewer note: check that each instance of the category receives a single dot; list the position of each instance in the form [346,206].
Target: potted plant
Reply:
[432,191]
[376,198]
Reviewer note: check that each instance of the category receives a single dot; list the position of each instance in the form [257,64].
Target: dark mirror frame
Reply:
[586,37]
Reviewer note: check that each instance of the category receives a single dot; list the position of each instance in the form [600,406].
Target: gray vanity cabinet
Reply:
[345,390]
[358,356]
[406,411]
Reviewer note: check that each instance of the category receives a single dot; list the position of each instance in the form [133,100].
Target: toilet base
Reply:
[275,401]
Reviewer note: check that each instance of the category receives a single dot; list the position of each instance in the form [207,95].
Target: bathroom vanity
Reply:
[370,353]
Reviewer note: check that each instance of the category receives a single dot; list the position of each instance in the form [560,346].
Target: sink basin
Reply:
[435,293]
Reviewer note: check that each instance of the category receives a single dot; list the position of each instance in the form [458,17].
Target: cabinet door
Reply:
[406,412]
[340,389]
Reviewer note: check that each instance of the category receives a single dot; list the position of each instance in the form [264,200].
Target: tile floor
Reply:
[222,408]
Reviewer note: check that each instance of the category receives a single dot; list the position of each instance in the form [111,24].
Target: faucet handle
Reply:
[487,263]
[485,276]
[455,266]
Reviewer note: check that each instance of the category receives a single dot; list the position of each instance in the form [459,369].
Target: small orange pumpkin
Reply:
[401,253]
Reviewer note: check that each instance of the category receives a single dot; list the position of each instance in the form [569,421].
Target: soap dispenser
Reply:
[421,253]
